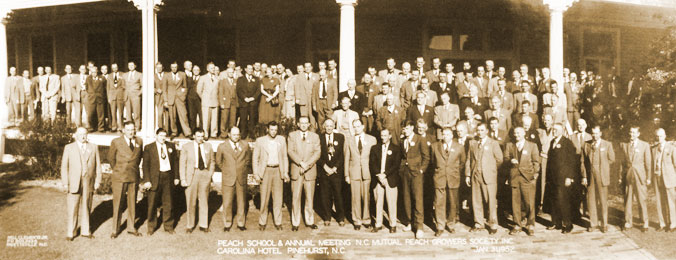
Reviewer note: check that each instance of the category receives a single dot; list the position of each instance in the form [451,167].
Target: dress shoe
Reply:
[515,231]
[205,230]
[530,231]
[660,229]
[393,230]
[113,235]
[450,230]
[69,238]
[341,224]
[367,226]
[438,233]
[327,223]
[407,228]
[90,236]
[553,227]
[567,230]
[644,229]
[671,229]
[189,230]
[279,227]
[170,232]
[294,228]
[356,227]
[150,233]
[590,229]
[604,229]
[134,233]
[376,229]
[419,234]
[261,227]
[626,227]
[242,228]
[475,229]
[492,231]
[313,226]
[226,229]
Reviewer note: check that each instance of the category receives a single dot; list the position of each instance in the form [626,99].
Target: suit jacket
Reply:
[124,161]
[260,156]
[483,160]
[95,90]
[151,163]
[331,94]
[303,90]
[428,115]
[664,164]
[478,108]
[207,89]
[573,91]
[446,117]
[502,138]
[358,101]
[344,120]
[504,118]
[81,93]
[307,151]
[528,165]
[520,97]
[357,164]
[392,163]
[517,119]
[246,88]
[390,120]
[635,161]
[418,157]
[80,167]
[227,93]
[188,160]
[579,144]
[68,85]
[191,83]
[337,159]
[448,164]
[450,89]
[560,157]
[507,100]
[463,89]
[493,85]
[53,86]
[115,89]
[431,76]
[482,83]
[382,74]
[175,88]
[133,83]
[408,91]
[596,161]
[160,86]
[235,165]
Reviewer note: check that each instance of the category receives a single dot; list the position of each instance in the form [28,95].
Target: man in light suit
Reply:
[68,83]
[124,157]
[664,168]
[174,99]
[80,176]
[234,152]
[249,95]
[116,96]
[331,173]
[304,151]
[503,115]
[434,74]
[270,166]
[207,89]
[635,174]
[446,114]
[524,95]
[79,96]
[227,99]
[409,89]
[416,158]
[481,81]
[449,158]
[160,99]
[358,175]
[95,90]
[391,71]
[14,97]
[160,174]
[29,91]
[385,158]
[597,156]
[133,82]
[344,117]
[49,91]
[302,89]
[481,171]
[324,96]
[195,169]
[523,160]
[506,98]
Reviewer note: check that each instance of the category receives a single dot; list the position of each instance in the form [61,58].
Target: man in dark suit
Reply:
[357,99]
[560,177]
[523,159]
[478,104]
[331,166]
[481,171]
[449,158]
[233,157]
[248,94]
[94,92]
[597,156]
[227,99]
[116,97]
[124,157]
[421,111]
[175,100]
[517,117]
[160,174]
[416,158]
[443,86]
[160,93]
[385,162]
[325,96]
[194,102]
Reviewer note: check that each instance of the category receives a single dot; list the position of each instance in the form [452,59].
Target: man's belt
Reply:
[273,166]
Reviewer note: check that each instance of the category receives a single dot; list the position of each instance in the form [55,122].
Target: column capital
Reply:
[4,14]
[558,5]
[347,2]
[140,4]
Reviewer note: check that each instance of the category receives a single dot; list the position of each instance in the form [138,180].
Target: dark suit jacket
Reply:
[338,158]
[151,163]
[479,108]
[235,166]
[450,89]
[414,114]
[248,89]
[448,166]
[529,162]
[95,90]
[517,120]
[559,161]
[392,163]
[417,158]
[192,88]
[358,101]
[124,161]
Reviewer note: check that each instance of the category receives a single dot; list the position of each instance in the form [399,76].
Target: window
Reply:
[98,48]
[42,47]
[600,50]
[441,38]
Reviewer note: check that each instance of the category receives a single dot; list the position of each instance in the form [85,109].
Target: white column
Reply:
[3,77]
[556,10]
[346,63]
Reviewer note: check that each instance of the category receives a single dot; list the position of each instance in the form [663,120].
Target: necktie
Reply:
[321,90]
[406,144]
[115,77]
[359,145]
[131,145]
[200,160]
[164,154]
[237,147]
[303,135]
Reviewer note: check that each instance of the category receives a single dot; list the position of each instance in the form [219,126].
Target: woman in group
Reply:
[268,110]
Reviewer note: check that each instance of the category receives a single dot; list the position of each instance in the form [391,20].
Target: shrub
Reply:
[42,146]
